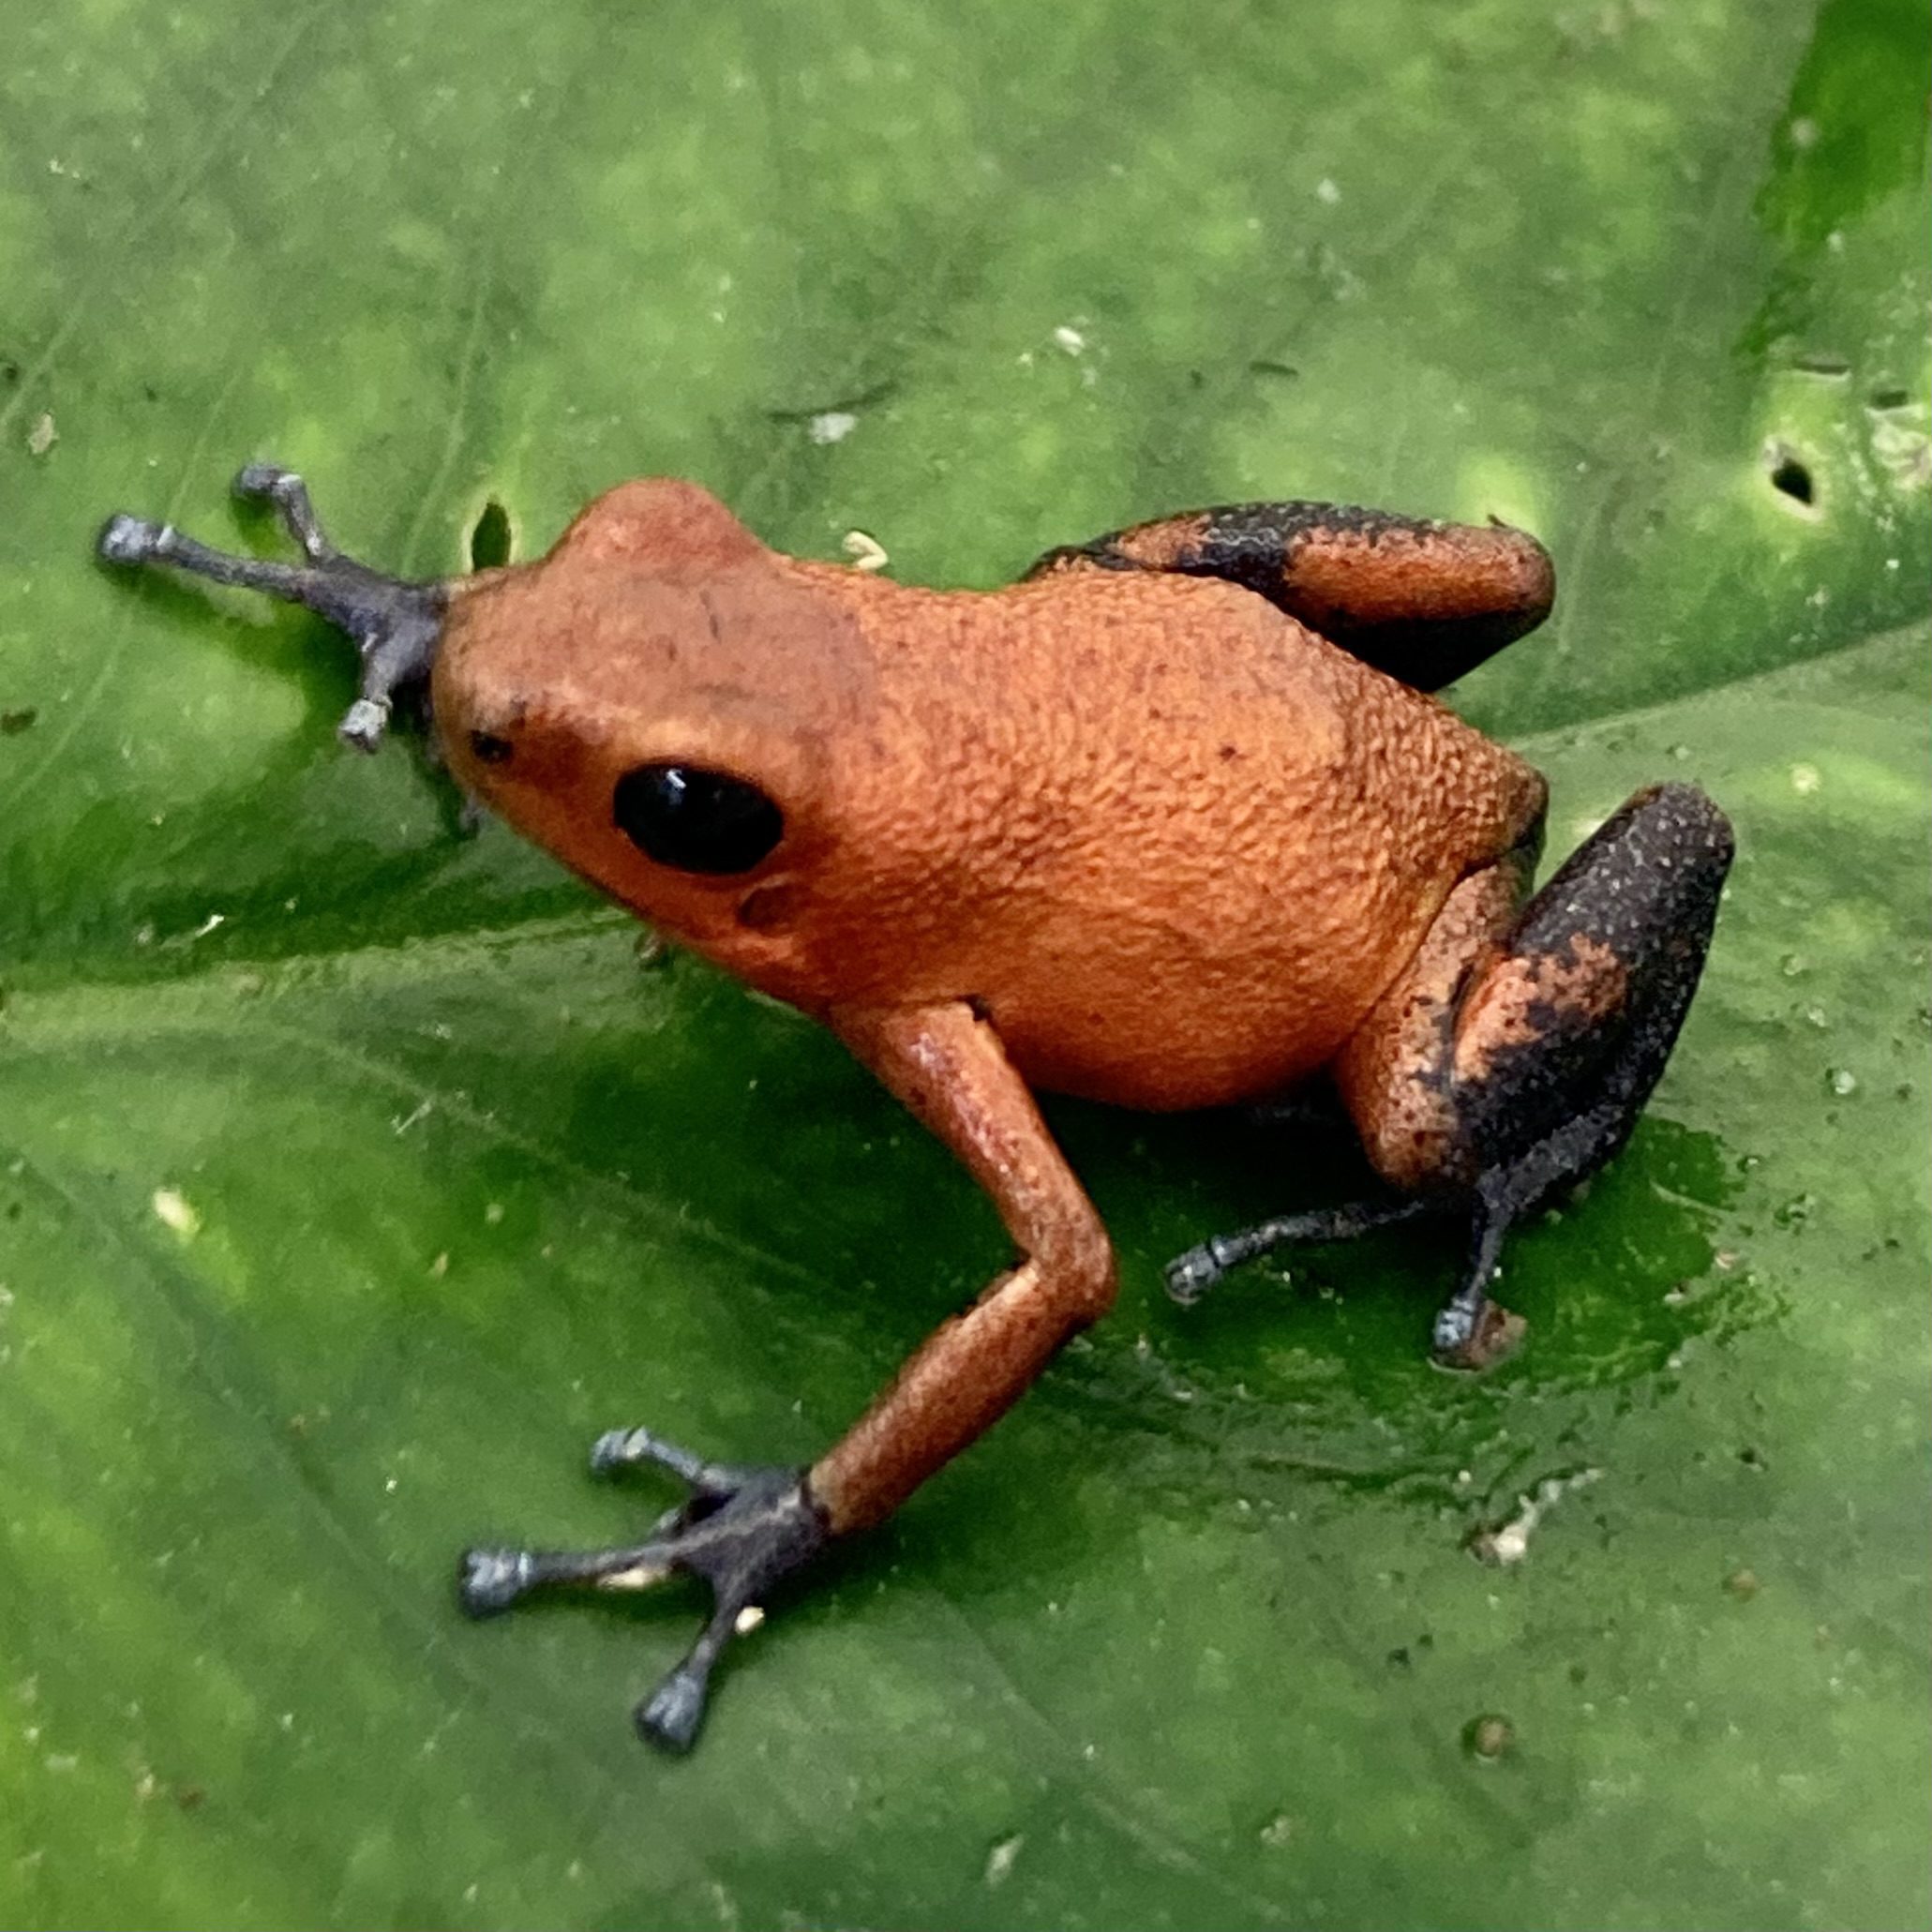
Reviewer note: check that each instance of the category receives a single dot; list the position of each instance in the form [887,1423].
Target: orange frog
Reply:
[1171,823]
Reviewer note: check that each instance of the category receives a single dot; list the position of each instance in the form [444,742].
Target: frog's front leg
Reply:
[745,1530]
[1513,1057]
[397,625]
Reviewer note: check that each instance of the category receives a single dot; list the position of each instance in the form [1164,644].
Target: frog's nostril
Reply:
[490,748]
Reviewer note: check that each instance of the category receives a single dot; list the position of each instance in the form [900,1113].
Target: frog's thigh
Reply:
[1393,1076]
[1423,601]
[1515,1056]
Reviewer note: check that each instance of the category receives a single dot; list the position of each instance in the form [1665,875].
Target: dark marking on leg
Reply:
[1514,1058]
[1422,601]
[1582,1008]
[1560,1042]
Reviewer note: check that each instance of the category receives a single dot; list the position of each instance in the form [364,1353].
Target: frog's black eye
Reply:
[695,820]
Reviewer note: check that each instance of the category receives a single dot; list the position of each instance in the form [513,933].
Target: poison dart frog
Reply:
[1171,822]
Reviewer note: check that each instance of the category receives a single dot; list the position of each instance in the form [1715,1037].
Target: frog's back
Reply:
[1173,843]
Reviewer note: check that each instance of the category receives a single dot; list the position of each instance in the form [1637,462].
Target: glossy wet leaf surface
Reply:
[353,1173]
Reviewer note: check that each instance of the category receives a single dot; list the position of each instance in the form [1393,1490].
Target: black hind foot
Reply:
[1189,1275]
[1522,1078]
[397,625]
[742,1530]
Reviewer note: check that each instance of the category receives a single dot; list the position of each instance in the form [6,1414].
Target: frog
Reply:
[1174,821]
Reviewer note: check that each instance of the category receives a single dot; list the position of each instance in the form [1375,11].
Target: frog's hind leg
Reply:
[1423,602]
[1513,1057]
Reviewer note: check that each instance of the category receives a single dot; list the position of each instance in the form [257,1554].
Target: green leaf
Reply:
[353,1172]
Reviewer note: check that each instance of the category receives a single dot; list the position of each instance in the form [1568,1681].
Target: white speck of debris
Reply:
[43,435]
[1803,133]
[208,925]
[1806,780]
[440,1266]
[866,552]
[1071,340]
[747,1619]
[640,1576]
[171,1210]
[1326,192]
[999,1860]
[832,426]
[420,1110]
[493,1213]
[1510,1543]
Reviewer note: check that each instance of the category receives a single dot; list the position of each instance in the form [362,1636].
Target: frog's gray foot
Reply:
[1189,1275]
[269,483]
[742,1530]
[1470,1331]
[396,625]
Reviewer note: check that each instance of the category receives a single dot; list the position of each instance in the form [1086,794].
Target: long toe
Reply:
[488,1582]
[670,1717]
[1189,1275]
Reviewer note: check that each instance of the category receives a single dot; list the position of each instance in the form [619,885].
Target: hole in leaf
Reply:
[489,542]
[1792,475]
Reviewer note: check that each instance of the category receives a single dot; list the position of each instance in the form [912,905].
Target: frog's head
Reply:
[658,700]
[659,703]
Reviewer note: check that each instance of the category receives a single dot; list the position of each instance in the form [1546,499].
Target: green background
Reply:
[1193,1638]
